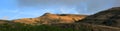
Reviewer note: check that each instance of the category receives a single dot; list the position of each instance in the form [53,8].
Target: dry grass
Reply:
[51,18]
[88,27]
[93,27]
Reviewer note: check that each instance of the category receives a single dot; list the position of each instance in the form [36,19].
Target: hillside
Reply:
[24,23]
[49,18]
[4,21]
[110,17]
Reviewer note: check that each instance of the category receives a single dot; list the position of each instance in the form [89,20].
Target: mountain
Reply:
[49,18]
[110,17]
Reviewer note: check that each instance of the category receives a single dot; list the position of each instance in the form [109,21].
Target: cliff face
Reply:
[110,17]
[49,18]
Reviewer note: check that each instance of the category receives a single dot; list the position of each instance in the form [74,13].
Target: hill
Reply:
[49,18]
[4,21]
[110,17]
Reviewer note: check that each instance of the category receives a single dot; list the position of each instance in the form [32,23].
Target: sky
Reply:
[15,9]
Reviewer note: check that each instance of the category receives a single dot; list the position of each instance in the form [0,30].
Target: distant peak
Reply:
[46,13]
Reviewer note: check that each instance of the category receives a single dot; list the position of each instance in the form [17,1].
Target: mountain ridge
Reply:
[49,18]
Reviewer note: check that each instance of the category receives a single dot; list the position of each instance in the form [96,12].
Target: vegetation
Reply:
[56,27]
[22,27]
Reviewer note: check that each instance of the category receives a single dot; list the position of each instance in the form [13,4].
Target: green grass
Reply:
[21,27]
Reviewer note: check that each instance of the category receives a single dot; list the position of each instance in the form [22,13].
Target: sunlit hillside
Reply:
[49,18]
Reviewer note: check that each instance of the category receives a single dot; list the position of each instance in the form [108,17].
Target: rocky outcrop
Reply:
[110,17]
[49,18]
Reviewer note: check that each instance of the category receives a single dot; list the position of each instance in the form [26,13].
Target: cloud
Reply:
[49,2]
[81,6]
